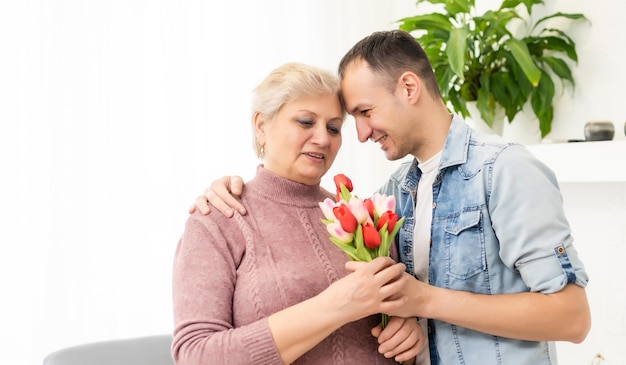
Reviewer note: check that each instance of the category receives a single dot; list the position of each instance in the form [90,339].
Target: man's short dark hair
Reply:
[392,53]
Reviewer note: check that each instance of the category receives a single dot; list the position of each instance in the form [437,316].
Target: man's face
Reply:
[380,115]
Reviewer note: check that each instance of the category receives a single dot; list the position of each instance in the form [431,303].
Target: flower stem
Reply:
[385,320]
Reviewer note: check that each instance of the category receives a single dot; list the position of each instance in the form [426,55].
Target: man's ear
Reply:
[411,86]
[259,127]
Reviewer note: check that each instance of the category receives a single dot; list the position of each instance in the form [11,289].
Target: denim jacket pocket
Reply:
[465,243]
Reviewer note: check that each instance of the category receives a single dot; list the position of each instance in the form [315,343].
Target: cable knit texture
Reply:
[230,274]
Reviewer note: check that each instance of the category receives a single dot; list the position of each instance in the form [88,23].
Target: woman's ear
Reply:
[259,128]
[411,86]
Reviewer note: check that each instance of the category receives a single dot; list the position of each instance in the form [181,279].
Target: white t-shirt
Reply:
[421,234]
[423,216]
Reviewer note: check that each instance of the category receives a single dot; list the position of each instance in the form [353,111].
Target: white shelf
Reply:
[601,161]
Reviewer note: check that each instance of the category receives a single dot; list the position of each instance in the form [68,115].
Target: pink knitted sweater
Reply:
[230,274]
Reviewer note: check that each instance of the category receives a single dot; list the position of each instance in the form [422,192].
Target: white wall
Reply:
[116,114]
[597,213]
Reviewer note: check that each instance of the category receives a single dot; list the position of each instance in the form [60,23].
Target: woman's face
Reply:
[302,141]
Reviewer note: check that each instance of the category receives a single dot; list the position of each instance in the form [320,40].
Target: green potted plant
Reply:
[479,57]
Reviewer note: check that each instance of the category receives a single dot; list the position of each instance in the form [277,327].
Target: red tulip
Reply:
[371,238]
[341,179]
[369,205]
[345,217]
[388,217]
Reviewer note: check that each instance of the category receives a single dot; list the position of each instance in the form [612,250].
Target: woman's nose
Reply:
[321,136]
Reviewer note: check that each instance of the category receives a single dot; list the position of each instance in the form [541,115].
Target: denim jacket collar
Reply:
[456,144]
[454,153]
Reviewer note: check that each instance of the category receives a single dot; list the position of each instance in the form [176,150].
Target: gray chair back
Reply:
[150,350]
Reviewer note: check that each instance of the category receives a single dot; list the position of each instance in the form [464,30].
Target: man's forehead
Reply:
[353,103]
[354,66]
[352,76]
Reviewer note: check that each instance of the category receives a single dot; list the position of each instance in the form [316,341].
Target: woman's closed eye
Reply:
[333,129]
[305,122]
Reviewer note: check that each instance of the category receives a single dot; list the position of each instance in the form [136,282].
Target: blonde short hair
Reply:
[286,83]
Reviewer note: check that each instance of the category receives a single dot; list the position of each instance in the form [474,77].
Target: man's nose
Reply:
[363,130]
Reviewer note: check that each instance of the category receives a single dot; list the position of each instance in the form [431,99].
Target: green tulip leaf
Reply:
[348,249]
[361,251]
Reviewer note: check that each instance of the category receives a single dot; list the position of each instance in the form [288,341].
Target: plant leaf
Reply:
[541,102]
[458,6]
[560,68]
[456,50]
[522,57]
[521,88]
[488,64]
[483,103]
[537,45]
[500,88]
[458,103]
[574,16]
[509,4]
[428,22]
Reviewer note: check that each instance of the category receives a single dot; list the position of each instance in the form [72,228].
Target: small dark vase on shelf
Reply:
[600,131]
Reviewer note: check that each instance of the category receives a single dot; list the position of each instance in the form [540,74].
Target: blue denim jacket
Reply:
[498,226]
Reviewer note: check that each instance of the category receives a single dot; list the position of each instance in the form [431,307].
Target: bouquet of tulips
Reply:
[363,228]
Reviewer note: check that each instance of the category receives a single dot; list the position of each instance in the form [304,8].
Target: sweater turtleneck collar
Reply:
[278,189]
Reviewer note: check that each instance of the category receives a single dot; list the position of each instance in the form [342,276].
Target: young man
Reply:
[486,237]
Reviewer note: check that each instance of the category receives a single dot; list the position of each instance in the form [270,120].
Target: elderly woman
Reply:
[269,287]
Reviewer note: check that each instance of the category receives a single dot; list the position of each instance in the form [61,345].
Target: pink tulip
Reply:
[336,231]
[383,203]
[359,210]
[327,208]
